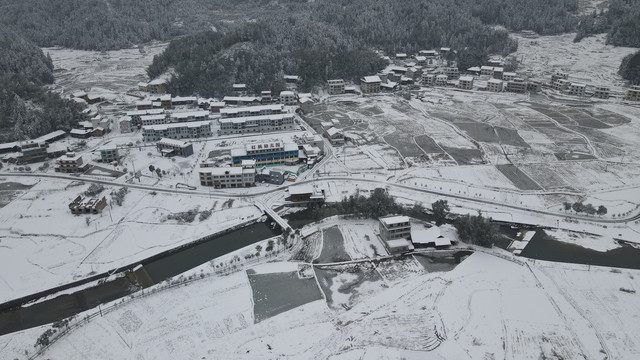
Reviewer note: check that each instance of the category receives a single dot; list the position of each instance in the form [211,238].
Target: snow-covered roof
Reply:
[240,98]
[442,241]
[240,120]
[158,82]
[184,98]
[248,162]
[484,67]
[305,100]
[399,243]
[173,142]
[509,74]
[152,117]
[301,189]
[473,68]
[51,135]
[466,78]
[70,156]
[183,115]
[578,85]
[80,131]
[239,86]
[498,69]
[145,112]
[79,94]
[252,109]
[286,93]
[495,81]
[401,55]
[333,131]
[371,79]
[193,124]
[422,235]
[391,220]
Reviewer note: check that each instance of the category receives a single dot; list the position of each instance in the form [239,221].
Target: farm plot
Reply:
[607,117]
[276,293]
[9,191]
[332,246]
[559,117]
[518,177]
[591,175]
[427,144]
[545,177]
[584,119]
[465,156]
[345,285]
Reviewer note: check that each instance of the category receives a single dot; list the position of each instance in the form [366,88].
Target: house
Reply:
[398,246]
[494,85]
[143,86]
[507,76]
[305,193]
[495,62]
[401,56]
[256,124]
[306,105]
[350,90]
[559,75]
[421,60]
[498,73]
[80,95]
[239,88]
[335,136]
[144,105]
[441,80]
[389,86]
[486,70]
[91,206]
[31,152]
[474,70]
[71,163]
[135,116]
[452,73]
[231,177]
[184,100]
[270,175]
[158,86]
[602,92]
[370,84]
[561,85]
[216,106]
[291,79]
[517,85]
[52,136]
[423,236]
[241,100]
[395,227]
[428,79]
[187,116]
[313,140]
[466,83]
[109,154]
[97,132]
[429,54]
[266,153]
[165,101]
[186,130]
[633,94]
[265,97]
[238,112]
[157,119]
[288,98]
[125,125]
[534,86]
[577,89]
[81,133]
[445,50]
[172,147]
[336,86]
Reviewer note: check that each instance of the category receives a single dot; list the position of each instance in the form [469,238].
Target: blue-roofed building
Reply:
[266,153]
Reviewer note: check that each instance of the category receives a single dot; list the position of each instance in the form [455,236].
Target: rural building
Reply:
[494,85]
[428,79]
[466,83]
[230,177]
[441,80]
[335,136]
[577,89]
[313,140]
[602,92]
[267,153]
[305,193]
[109,154]
[398,246]
[474,70]
[172,147]
[517,85]
[239,88]
[395,227]
[241,100]
[559,75]
[307,105]
[31,152]
[486,70]
[81,133]
[216,106]
[188,130]
[288,98]
[184,100]
[265,97]
[401,56]
[388,86]
[91,206]
[80,95]
[561,85]
[633,94]
[144,105]
[71,163]
[143,86]
[135,116]
[498,73]
[252,111]
[370,84]
[201,115]
[422,236]
[336,86]
[452,73]
[508,76]
[94,99]
[158,119]
[495,62]
[429,54]
[158,86]
[270,175]
[52,136]
[534,86]
[256,124]
[99,131]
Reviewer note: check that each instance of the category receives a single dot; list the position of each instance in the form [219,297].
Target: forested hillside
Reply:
[27,110]
[621,22]
[630,68]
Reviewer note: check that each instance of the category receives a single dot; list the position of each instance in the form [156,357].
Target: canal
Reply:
[159,268]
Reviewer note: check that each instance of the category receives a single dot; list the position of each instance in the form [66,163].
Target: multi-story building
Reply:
[441,80]
[173,147]
[125,125]
[265,97]
[231,177]
[270,175]
[370,84]
[508,76]
[252,111]
[188,130]
[557,76]
[336,86]
[158,86]
[486,70]
[71,163]
[335,136]
[137,115]
[144,104]
[201,115]
[241,100]
[239,88]
[466,83]
[184,100]
[82,205]
[577,89]
[395,227]
[267,153]
[256,124]
[517,85]
[494,85]
[158,119]
[561,84]
[602,92]
[534,86]
[633,94]
[288,98]
[452,73]
[31,152]
[429,54]
[109,154]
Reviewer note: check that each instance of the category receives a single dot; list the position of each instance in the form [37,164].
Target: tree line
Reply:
[630,68]
[621,23]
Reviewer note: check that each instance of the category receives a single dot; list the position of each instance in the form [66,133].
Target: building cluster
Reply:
[36,150]
[97,126]
[83,205]
[400,235]
[255,119]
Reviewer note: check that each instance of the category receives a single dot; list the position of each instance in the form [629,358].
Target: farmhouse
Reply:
[71,163]
[172,147]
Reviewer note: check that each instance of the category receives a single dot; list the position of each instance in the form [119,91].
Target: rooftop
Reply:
[392,220]
[193,124]
[371,79]
[173,142]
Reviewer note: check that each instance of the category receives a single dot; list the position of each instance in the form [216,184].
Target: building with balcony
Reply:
[395,227]
[71,163]
[173,147]
[188,130]
[256,124]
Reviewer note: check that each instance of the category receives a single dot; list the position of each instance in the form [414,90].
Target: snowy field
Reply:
[487,307]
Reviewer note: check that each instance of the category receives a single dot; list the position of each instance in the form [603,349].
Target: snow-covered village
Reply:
[233,196]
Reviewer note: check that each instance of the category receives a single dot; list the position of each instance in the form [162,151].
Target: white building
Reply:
[370,84]
[256,124]
[577,89]
[441,80]
[288,98]
[252,111]
[602,92]
[201,115]
[507,76]
[231,177]
[466,83]
[395,227]
[188,130]
[336,86]
[486,70]
[495,85]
